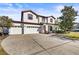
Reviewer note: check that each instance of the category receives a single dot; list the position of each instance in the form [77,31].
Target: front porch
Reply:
[46,28]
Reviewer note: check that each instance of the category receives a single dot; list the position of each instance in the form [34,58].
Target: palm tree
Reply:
[5,21]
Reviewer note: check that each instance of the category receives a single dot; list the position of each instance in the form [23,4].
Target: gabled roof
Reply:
[30,11]
[37,14]
[52,17]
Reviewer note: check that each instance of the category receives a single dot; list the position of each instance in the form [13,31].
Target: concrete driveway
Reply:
[39,44]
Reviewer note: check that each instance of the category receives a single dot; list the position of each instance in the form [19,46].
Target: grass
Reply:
[73,35]
[2,52]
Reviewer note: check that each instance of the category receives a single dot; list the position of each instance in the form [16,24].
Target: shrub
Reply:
[59,31]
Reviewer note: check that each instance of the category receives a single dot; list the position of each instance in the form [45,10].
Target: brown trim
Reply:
[22,25]
[33,13]
[16,21]
[32,23]
[27,23]
[51,24]
[30,11]
[21,16]
[42,16]
[52,17]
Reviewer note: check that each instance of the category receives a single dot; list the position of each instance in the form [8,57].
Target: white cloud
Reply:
[19,5]
[42,11]
[15,14]
[56,15]
[47,12]
[9,10]
[9,4]
[16,17]
[76,8]
[59,8]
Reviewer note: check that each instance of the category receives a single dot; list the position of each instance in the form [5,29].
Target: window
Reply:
[43,19]
[46,20]
[32,27]
[37,17]
[51,20]
[50,28]
[30,16]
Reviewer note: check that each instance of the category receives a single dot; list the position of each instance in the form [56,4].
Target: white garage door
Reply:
[30,29]
[15,30]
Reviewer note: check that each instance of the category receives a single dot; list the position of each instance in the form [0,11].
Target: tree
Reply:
[67,18]
[5,21]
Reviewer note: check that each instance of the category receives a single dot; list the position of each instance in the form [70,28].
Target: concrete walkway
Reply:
[39,44]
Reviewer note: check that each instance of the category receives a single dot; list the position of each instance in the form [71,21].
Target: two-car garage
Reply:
[27,29]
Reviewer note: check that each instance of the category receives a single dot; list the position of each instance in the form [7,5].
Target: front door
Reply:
[44,28]
[50,29]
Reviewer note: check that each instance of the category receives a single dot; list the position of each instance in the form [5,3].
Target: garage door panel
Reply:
[15,30]
[30,30]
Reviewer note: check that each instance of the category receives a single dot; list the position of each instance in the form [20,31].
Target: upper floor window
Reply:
[30,16]
[51,20]
[37,17]
[46,20]
[43,19]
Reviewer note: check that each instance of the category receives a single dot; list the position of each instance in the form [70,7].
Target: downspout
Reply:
[22,25]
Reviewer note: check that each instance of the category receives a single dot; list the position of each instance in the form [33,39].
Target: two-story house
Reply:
[33,23]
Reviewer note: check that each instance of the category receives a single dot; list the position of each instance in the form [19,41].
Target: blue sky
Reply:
[13,10]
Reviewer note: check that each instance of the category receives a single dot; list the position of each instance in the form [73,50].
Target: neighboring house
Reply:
[76,27]
[33,23]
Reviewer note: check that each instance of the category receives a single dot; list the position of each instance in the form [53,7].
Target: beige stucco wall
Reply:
[25,18]
[52,19]
[16,24]
[40,19]
[35,19]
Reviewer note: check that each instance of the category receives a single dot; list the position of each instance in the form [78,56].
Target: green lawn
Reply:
[2,52]
[74,35]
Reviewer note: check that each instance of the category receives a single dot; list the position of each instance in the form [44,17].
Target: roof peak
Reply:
[36,13]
